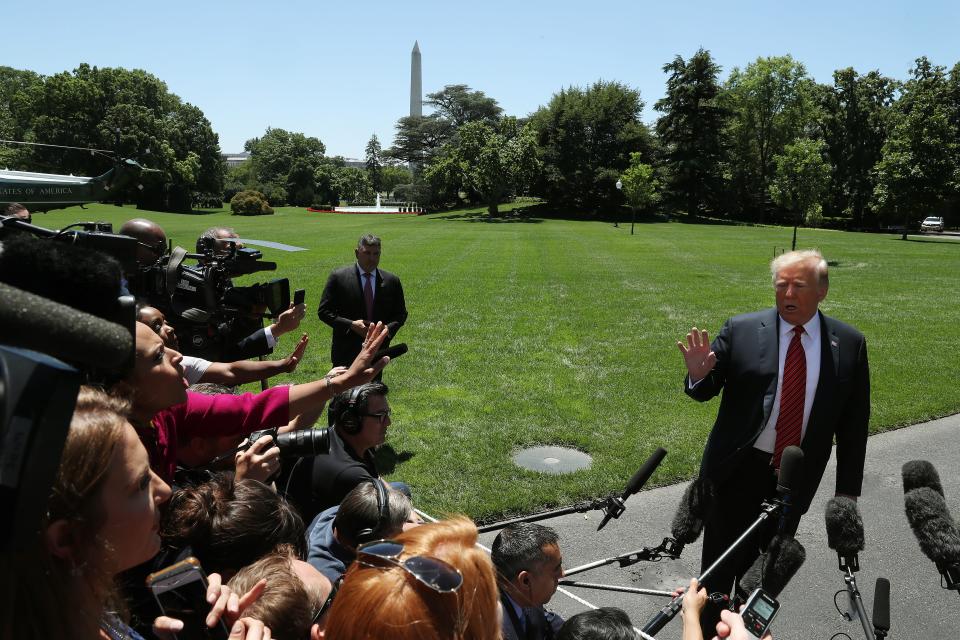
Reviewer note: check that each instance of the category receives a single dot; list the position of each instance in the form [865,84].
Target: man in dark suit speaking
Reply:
[357,295]
[789,376]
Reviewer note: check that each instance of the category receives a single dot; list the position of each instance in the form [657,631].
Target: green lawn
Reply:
[555,331]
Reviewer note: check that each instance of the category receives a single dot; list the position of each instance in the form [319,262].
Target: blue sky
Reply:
[340,71]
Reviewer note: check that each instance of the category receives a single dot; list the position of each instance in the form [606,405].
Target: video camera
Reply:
[208,311]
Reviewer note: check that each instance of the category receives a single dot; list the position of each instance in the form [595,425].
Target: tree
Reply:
[492,160]
[800,181]
[459,105]
[640,184]
[854,123]
[273,155]
[771,104]
[375,163]
[353,184]
[689,132]
[419,138]
[300,183]
[916,171]
[392,176]
[586,137]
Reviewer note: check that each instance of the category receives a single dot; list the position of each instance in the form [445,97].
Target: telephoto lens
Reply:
[304,442]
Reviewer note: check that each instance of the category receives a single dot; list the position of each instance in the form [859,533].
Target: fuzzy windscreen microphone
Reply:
[692,511]
[920,473]
[775,567]
[844,530]
[933,526]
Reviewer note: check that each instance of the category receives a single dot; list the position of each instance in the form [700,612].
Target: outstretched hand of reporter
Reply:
[224,603]
[364,369]
[259,462]
[291,361]
[731,626]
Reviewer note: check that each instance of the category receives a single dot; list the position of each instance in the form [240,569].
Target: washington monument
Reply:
[416,84]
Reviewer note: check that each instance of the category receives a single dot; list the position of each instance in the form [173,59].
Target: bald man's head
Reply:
[153,241]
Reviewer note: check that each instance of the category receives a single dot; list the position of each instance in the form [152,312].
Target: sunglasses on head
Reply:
[433,572]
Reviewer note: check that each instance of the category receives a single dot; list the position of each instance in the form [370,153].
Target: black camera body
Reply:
[295,444]
[210,314]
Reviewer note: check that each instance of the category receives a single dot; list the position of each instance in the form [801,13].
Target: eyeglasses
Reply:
[433,572]
[326,603]
[380,415]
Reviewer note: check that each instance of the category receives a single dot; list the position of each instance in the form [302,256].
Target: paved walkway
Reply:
[919,607]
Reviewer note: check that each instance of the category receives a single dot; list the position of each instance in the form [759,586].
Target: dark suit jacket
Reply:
[342,302]
[543,624]
[747,361]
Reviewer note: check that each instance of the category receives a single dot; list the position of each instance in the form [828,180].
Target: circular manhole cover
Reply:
[552,459]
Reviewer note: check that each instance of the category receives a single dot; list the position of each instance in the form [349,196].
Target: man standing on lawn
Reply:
[790,376]
[357,295]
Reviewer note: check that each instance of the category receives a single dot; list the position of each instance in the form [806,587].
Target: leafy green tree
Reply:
[586,137]
[640,184]
[300,183]
[917,170]
[353,184]
[689,132]
[458,104]
[855,113]
[375,163]
[16,90]
[771,103]
[800,182]
[250,203]
[274,154]
[418,139]
[494,161]
[393,175]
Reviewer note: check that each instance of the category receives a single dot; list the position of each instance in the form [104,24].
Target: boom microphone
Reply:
[935,531]
[920,473]
[845,531]
[881,608]
[34,322]
[615,507]
[775,567]
[691,512]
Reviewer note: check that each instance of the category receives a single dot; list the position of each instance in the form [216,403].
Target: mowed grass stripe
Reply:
[564,332]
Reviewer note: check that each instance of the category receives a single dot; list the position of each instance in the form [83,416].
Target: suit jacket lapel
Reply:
[768,341]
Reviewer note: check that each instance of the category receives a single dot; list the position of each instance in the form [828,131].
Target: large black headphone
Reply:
[383,514]
[348,417]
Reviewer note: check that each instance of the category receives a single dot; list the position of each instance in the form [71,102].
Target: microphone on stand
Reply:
[773,568]
[845,531]
[936,532]
[881,608]
[691,513]
[615,507]
[920,473]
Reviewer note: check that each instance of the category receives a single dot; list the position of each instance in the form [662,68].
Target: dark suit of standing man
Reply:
[348,306]
[747,362]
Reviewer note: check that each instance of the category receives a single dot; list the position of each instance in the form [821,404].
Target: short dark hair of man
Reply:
[15,208]
[605,623]
[519,547]
[212,235]
[348,417]
[359,511]
[368,240]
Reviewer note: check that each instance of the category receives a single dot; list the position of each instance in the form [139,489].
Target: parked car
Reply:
[932,223]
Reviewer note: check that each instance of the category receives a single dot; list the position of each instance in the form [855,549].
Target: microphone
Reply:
[791,470]
[34,322]
[691,512]
[920,473]
[773,568]
[615,507]
[936,532]
[844,531]
[881,608]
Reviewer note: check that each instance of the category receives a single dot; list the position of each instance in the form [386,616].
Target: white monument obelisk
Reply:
[416,84]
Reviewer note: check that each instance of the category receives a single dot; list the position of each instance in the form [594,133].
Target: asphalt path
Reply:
[919,607]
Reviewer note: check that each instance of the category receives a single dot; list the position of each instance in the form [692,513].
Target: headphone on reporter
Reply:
[348,417]
[383,514]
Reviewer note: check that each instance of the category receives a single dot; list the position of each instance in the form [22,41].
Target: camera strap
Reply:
[172,271]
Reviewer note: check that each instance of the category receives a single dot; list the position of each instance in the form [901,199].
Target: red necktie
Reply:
[368,295]
[793,393]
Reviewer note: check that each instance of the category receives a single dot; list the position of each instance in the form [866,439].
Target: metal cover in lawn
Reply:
[552,459]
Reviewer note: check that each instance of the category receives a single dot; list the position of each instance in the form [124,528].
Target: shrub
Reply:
[250,203]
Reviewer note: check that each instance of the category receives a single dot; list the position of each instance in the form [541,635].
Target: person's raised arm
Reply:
[244,371]
[312,396]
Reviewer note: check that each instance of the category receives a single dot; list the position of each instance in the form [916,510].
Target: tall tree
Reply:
[771,103]
[640,184]
[586,137]
[374,162]
[460,105]
[916,172]
[800,181]
[689,132]
[494,161]
[854,122]
[273,157]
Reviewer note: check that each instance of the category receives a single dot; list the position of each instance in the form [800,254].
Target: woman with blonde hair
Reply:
[431,582]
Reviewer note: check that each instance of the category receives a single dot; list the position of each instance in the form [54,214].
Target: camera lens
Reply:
[304,442]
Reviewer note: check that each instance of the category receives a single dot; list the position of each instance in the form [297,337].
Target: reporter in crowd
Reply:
[529,568]
[164,413]
[335,534]
[730,626]
[102,518]
[429,583]
[229,373]
[605,623]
